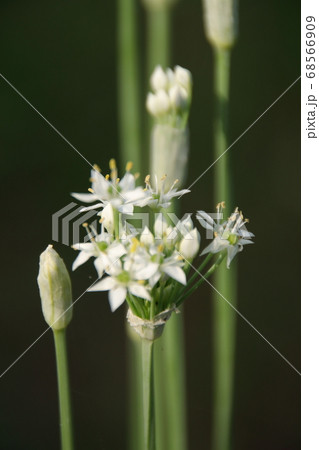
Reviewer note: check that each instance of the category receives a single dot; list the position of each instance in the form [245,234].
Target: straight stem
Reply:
[148,394]
[64,389]
[129,94]
[223,318]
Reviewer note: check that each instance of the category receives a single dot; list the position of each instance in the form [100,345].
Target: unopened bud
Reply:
[221,22]
[189,245]
[55,290]
[183,77]
[159,79]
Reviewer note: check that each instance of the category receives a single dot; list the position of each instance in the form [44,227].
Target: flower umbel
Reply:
[230,235]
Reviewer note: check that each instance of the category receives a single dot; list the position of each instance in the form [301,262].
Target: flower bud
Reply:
[178,97]
[160,225]
[221,22]
[169,153]
[189,245]
[147,237]
[55,290]
[183,77]
[159,79]
[107,218]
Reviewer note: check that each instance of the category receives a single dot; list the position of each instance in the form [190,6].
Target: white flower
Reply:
[159,79]
[121,282]
[230,235]
[120,193]
[183,77]
[158,197]
[102,249]
[189,245]
[55,289]
[153,265]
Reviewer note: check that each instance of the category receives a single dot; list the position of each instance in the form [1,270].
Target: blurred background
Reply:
[62,57]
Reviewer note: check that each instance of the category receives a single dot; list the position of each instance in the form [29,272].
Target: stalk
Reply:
[64,390]
[158,37]
[148,394]
[128,85]
[171,404]
[223,318]
[130,150]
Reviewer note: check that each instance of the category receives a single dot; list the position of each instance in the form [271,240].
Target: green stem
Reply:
[223,318]
[202,279]
[135,437]
[148,394]
[171,410]
[159,37]
[174,359]
[128,85]
[64,390]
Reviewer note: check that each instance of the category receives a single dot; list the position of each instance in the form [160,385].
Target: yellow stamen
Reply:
[92,180]
[164,177]
[85,224]
[91,190]
[141,282]
[96,167]
[135,244]
[129,166]
[107,176]
[117,180]
[160,248]
[112,164]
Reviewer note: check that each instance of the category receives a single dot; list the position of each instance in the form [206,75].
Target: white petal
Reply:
[96,206]
[175,272]
[231,253]
[146,272]
[85,198]
[87,246]
[104,285]
[81,259]
[100,265]
[117,297]
[139,291]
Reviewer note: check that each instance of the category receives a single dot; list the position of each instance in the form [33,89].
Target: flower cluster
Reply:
[148,267]
[170,101]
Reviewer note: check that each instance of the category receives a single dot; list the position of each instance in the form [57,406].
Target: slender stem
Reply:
[159,37]
[223,319]
[128,85]
[202,279]
[171,410]
[174,358]
[158,50]
[148,394]
[135,383]
[64,390]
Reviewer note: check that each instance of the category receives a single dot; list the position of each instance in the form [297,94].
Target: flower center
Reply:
[233,239]
[102,246]
[124,277]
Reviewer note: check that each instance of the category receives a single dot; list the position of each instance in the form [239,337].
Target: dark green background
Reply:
[62,57]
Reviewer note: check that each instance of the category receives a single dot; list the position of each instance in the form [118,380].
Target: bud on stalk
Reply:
[55,290]
[221,22]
